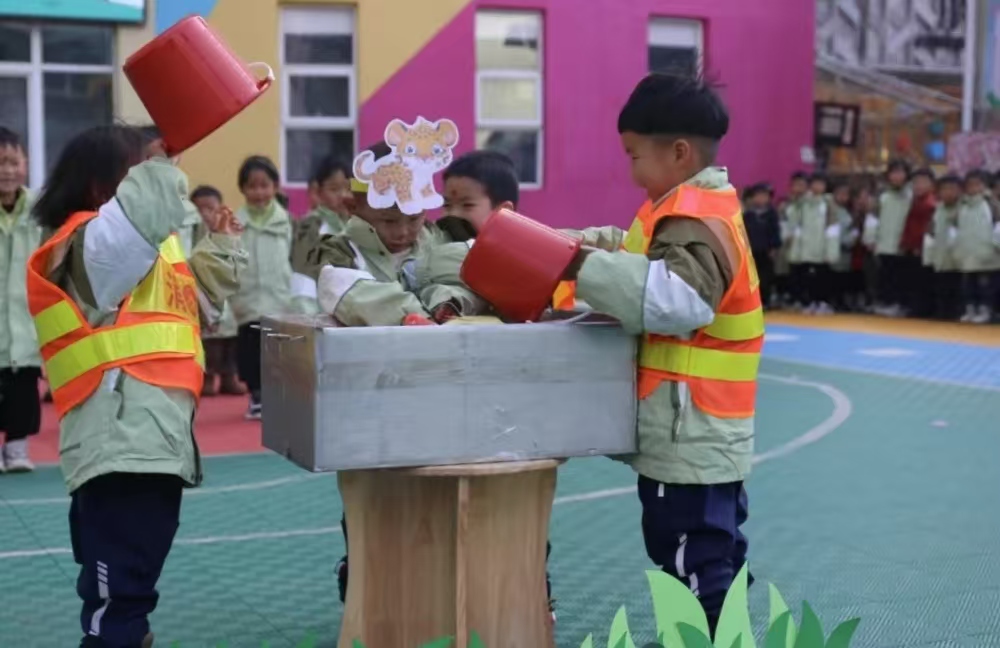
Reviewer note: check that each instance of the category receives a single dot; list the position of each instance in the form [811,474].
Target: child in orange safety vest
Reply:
[118,312]
[685,282]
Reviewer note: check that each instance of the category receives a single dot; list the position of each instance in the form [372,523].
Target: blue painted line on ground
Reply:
[950,362]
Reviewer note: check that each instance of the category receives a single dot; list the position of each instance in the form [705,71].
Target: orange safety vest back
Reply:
[155,337]
[719,363]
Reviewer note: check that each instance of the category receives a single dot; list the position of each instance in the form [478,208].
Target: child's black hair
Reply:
[206,191]
[379,150]
[257,163]
[800,175]
[88,172]
[819,177]
[9,138]
[328,167]
[680,106]
[282,199]
[898,165]
[839,184]
[925,172]
[949,178]
[756,189]
[494,171]
[150,132]
[979,174]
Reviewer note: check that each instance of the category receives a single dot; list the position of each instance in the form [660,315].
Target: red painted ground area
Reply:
[220,429]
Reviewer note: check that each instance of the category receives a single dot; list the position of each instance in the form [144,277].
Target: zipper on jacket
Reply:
[675,399]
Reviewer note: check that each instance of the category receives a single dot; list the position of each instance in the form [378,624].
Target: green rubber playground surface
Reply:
[874,496]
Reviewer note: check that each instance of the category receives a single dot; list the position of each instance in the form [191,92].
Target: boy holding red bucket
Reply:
[685,281]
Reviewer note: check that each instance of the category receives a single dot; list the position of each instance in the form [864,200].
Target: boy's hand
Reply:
[445,312]
[225,222]
[414,319]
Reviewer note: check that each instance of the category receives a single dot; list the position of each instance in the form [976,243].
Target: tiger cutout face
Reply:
[425,145]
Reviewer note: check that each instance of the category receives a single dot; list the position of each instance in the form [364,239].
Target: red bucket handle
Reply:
[265,83]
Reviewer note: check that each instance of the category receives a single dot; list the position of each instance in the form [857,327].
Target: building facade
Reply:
[542,80]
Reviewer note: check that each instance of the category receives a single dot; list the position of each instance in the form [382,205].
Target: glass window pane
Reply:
[305,148]
[508,99]
[79,44]
[315,96]
[15,42]
[73,103]
[508,40]
[519,146]
[673,60]
[325,49]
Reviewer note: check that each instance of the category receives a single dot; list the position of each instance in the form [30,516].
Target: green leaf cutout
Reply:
[778,635]
[734,622]
[357,644]
[443,642]
[841,637]
[308,642]
[620,636]
[811,632]
[691,636]
[475,641]
[738,643]
[779,607]
[673,603]
[588,642]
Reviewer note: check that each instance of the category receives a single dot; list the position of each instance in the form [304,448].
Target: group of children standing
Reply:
[925,246]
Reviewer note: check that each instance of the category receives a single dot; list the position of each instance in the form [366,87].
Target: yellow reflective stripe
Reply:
[736,328]
[56,321]
[699,363]
[117,344]
[172,251]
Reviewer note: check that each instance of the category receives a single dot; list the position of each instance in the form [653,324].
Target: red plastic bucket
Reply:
[516,264]
[191,83]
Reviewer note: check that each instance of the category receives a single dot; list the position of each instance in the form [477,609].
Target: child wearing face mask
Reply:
[266,287]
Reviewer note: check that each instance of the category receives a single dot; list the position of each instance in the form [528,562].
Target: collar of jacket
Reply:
[712,178]
[272,219]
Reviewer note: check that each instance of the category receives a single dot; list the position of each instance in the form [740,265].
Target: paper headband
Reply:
[405,177]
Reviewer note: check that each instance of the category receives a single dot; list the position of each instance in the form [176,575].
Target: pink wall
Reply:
[595,52]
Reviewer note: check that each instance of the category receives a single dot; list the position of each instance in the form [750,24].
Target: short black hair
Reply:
[755,189]
[949,178]
[979,174]
[206,191]
[673,105]
[9,138]
[898,165]
[282,199]
[151,132]
[491,169]
[328,167]
[925,172]
[819,177]
[257,163]
[88,172]
[800,175]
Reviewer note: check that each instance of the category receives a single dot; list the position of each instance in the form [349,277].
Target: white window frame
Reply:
[665,31]
[529,125]
[290,122]
[34,71]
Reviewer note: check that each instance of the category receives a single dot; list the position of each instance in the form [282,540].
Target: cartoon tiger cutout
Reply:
[406,177]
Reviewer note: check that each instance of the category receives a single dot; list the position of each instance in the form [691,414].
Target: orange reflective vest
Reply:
[155,337]
[565,296]
[719,363]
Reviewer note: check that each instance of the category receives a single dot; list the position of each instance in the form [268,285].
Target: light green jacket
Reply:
[894,207]
[265,288]
[307,233]
[678,443]
[20,235]
[417,282]
[944,234]
[809,221]
[128,425]
[840,238]
[225,327]
[974,247]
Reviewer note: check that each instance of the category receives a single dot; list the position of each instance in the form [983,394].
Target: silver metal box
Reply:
[337,398]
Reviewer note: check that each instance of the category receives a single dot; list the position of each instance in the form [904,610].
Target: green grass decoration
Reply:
[681,622]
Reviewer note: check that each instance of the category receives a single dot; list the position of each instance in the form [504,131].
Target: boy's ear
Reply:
[508,205]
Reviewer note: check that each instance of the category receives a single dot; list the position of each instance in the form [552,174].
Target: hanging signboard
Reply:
[106,11]
[836,125]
